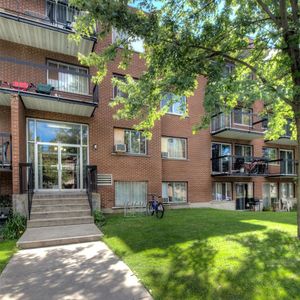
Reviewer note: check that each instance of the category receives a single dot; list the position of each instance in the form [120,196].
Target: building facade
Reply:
[53,117]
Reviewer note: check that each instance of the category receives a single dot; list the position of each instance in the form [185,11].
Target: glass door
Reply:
[69,167]
[48,167]
[244,193]
[286,163]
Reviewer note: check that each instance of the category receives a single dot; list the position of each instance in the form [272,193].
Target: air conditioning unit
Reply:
[120,148]
[164,155]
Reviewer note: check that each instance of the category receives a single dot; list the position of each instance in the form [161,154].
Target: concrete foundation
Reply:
[96,201]
[20,204]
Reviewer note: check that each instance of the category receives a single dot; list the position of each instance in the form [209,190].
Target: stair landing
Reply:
[59,235]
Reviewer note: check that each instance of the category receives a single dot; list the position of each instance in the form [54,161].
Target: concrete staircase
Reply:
[57,219]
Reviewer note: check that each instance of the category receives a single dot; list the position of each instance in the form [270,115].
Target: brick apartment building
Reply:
[51,115]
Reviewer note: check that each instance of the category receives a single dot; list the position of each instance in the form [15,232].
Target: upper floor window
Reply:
[116,91]
[178,107]
[129,141]
[270,153]
[59,12]
[242,116]
[174,148]
[68,78]
[244,151]
[136,43]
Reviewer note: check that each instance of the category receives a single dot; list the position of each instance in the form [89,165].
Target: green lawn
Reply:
[211,254]
[7,249]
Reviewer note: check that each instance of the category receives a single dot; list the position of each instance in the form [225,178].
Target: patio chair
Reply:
[286,204]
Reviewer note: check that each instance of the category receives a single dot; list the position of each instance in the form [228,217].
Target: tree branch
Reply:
[268,12]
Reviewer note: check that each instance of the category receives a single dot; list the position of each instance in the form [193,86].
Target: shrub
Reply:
[99,218]
[267,208]
[14,227]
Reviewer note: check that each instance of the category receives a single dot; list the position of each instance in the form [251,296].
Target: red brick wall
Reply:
[23,6]
[5,183]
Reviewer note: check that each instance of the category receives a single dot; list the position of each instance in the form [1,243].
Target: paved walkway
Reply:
[77,271]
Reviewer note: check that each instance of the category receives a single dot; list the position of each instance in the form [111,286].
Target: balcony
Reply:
[46,28]
[239,124]
[239,166]
[54,87]
[284,139]
[5,151]
[286,168]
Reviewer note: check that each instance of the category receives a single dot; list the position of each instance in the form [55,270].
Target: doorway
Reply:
[244,193]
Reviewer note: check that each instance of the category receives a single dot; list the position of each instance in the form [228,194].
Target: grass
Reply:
[211,254]
[7,249]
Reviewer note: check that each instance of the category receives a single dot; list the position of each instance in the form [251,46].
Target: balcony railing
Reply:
[237,121]
[51,13]
[239,166]
[5,151]
[233,165]
[57,81]
[282,168]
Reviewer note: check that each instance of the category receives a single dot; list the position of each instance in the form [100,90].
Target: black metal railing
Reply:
[283,167]
[239,165]
[237,119]
[5,150]
[53,79]
[91,184]
[27,183]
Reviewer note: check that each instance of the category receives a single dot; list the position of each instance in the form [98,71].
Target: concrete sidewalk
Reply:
[77,271]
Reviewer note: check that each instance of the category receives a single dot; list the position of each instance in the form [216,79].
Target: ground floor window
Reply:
[270,194]
[244,194]
[286,190]
[132,192]
[174,192]
[222,191]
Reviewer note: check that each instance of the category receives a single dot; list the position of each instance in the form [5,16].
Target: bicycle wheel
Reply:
[150,209]
[160,211]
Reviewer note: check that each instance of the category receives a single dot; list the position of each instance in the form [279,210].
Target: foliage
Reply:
[211,254]
[99,218]
[7,249]
[5,201]
[14,227]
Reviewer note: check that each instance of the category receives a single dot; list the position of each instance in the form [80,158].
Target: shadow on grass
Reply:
[269,268]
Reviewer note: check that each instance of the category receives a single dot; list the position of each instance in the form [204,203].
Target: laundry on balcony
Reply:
[23,86]
[44,88]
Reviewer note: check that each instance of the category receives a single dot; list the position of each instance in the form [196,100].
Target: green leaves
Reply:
[187,39]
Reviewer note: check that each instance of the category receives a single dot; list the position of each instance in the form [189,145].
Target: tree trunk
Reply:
[298,175]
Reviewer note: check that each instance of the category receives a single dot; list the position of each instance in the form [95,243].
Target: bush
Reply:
[267,208]
[99,218]
[14,227]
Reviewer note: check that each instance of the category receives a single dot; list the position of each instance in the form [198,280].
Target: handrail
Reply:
[27,183]
[91,183]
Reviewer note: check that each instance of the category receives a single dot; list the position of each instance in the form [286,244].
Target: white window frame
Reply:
[72,66]
[132,41]
[243,150]
[228,186]
[180,113]
[166,200]
[185,147]
[277,152]
[250,112]
[291,187]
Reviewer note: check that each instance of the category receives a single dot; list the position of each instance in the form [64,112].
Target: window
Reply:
[229,68]
[287,165]
[134,140]
[270,153]
[174,147]
[221,156]
[174,192]
[222,191]
[176,108]
[132,193]
[68,78]
[242,116]
[286,190]
[244,151]
[116,91]
[136,43]
[270,194]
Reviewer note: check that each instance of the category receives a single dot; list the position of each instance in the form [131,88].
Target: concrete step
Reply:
[59,214]
[59,201]
[59,195]
[59,221]
[59,235]
[66,207]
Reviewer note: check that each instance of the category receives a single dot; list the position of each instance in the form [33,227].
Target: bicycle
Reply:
[155,206]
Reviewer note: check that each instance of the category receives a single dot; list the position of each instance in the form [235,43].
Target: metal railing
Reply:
[283,167]
[27,183]
[5,150]
[239,165]
[54,79]
[91,184]
[237,119]
[53,13]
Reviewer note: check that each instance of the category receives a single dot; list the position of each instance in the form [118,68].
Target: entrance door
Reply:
[244,192]
[58,167]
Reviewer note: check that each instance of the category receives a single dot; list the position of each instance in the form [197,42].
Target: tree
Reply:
[185,39]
